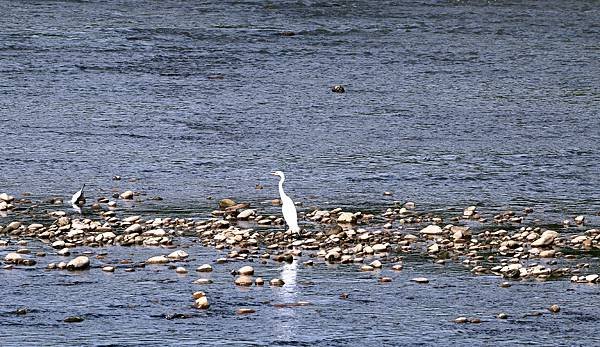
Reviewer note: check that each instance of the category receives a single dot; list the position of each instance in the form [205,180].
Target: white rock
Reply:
[545,239]
[127,195]
[134,228]
[245,214]
[346,217]
[432,230]
[201,303]
[79,263]
[179,254]
[159,259]
[246,270]
[379,247]
[376,264]
[6,197]
[13,257]
[132,219]
[204,268]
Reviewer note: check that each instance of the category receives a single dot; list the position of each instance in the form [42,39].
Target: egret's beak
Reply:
[274,174]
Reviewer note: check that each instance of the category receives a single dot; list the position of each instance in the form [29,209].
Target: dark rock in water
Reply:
[178,316]
[21,311]
[338,89]
[73,319]
[287,33]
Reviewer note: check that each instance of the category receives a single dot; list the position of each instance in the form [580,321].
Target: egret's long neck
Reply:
[281,193]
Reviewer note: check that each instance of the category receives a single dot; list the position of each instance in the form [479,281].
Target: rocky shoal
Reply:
[508,244]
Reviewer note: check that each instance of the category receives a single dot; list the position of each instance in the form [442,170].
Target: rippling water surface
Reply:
[131,308]
[447,103]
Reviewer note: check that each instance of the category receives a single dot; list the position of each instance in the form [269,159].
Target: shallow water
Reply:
[131,308]
[448,103]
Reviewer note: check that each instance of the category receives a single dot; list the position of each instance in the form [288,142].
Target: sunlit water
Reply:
[447,104]
[131,308]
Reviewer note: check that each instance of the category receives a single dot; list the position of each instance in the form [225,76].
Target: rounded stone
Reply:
[554,308]
[277,282]
[245,311]
[108,269]
[461,320]
[243,280]
[202,303]
[204,268]
[198,295]
[13,258]
[246,270]
[126,195]
[179,254]
[338,89]
[181,270]
[79,263]
[159,259]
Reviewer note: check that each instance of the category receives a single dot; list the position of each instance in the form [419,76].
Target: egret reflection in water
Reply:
[285,325]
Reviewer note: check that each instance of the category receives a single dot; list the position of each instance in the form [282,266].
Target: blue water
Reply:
[447,103]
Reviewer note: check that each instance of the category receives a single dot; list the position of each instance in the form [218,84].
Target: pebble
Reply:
[202,303]
[181,270]
[159,259]
[108,269]
[126,195]
[243,280]
[376,264]
[13,258]
[178,255]
[204,268]
[338,89]
[421,280]
[461,320]
[198,295]
[502,316]
[73,319]
[554,308]
[277,282]
[246,270]
[203,281]
[259,281]
[245,311]
[79,263]
[385,279]
[432,230]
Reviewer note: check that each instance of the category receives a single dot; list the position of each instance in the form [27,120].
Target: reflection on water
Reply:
[286,325]
[77,208]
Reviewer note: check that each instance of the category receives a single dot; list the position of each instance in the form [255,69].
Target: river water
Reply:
[447,103]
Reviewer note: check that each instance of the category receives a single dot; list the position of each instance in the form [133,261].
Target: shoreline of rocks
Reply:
[504,244]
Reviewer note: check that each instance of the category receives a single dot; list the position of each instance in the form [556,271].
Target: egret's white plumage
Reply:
[287,205]
[78,198]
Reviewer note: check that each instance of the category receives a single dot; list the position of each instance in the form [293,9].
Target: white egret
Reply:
[78,199]
[287,205]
